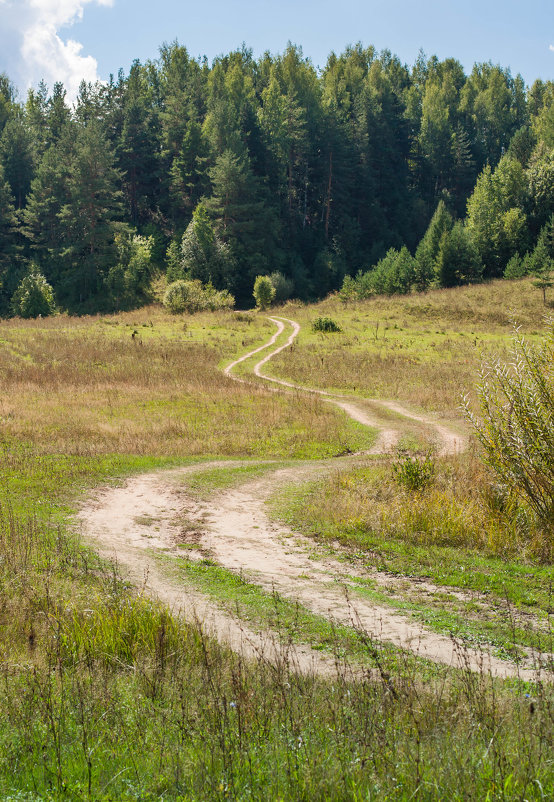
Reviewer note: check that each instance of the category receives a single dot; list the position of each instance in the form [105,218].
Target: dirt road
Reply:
[134,522]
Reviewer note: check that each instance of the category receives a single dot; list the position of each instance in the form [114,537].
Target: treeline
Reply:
[389,176]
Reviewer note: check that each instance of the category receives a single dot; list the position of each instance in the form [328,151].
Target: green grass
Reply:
[421,349]
[203,484]
[107,696]
[482,622]
[510,600]
[270,612]
[46,486]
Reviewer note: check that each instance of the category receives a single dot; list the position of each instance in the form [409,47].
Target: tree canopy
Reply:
[250,167]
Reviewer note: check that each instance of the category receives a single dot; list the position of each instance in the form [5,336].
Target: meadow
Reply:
[109,695]
[422,349]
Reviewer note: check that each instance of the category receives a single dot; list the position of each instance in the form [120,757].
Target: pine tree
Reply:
[42,227]
[243,220]
[138,150]
[8,232]
[428,249]
[36,112]
[457,259]
[58,114]
[187,174]
[17,157]
[89,217]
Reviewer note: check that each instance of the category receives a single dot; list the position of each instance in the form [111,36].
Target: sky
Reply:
[68,40]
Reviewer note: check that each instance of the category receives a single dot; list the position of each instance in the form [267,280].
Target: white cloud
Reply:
[551,47]
[34,49]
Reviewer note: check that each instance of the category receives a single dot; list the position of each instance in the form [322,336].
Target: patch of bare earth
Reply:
[129,524]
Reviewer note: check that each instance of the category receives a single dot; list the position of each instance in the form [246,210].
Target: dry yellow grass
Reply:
[145,383]
[422,349]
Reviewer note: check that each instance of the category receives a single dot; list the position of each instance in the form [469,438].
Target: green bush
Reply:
[394,274]
[516,426]
[325,324]
[412,472]
[357,289]
[264,292]
[516,267]
[128,281]
[34,296]
[192,296]
[284,287]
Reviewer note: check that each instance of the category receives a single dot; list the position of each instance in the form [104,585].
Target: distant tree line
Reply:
[369,176]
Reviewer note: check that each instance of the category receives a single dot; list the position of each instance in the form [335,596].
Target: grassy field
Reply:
[106,696]
[146,383]
[442,555]
[422,350]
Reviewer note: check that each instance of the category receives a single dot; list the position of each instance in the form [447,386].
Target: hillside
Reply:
[243,556]
[409,176]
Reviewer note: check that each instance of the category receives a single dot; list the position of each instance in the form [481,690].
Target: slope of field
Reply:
[109,694]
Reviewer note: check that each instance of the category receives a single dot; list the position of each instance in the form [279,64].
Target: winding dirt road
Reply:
[132,523]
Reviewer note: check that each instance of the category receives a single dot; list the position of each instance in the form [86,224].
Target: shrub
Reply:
[412,472]
[34,296]
[128,281]
[356,289]
[516,425]
[516,267]
[284,287]
[191,296]
[395,273]
[264,291]
[325,324]
[213,299]
[457,261]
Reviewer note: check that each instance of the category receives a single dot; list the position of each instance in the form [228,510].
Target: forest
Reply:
[368,177]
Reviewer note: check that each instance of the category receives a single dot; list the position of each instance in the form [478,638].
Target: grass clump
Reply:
[412,472]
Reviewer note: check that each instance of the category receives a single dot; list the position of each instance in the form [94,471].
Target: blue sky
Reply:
[69,40]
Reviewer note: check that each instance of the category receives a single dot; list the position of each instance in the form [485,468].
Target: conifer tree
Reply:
[42,226]
[138,149]
[58,115]
[428,249]
[457,259]
[243,219]
[17,157]
[8,232]
[89,216]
